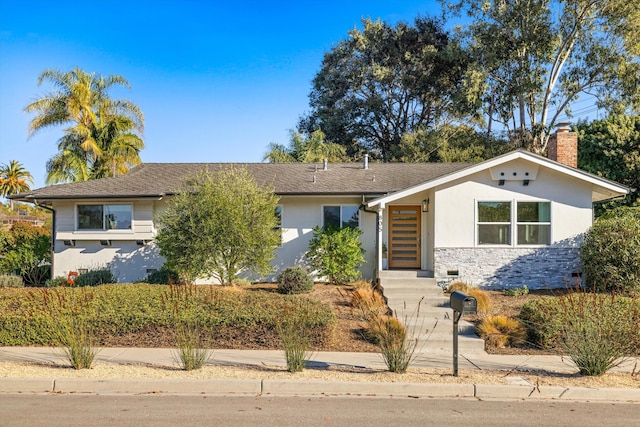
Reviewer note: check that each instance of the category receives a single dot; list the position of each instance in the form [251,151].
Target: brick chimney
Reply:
[563,146]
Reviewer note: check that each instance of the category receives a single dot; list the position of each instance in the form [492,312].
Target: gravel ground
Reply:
[116,371]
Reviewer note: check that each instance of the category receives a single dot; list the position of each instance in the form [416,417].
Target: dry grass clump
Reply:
[458,285]
[485,305]
[501,331]
[361,284]
[368,303]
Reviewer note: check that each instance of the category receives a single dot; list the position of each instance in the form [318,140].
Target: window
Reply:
[532,223]
[104,217]
[278,227]
[341,216]
[494,223]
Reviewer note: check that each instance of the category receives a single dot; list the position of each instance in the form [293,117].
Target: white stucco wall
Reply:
[127,260]
[508,266]
[455,205]
[130,262]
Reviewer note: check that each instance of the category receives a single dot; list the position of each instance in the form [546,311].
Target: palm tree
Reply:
[14,179]
[103,131]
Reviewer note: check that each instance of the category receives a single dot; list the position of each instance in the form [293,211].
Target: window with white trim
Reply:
[104,217]
[494,223]
[528,224]
[533,223]
[278,227]
[341,216]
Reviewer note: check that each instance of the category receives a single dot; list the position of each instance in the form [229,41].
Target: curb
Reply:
[314,388]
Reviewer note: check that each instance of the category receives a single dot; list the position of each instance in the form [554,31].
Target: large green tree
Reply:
[310,149]
[14,179]
[221,223]
[385,81]
[611,148]
[104,134]
[461,143]
[537,57]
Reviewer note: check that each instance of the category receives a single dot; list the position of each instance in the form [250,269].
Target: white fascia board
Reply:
[607,188]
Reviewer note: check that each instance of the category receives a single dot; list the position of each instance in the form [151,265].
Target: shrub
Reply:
[598,331]
[26,250]
[336,253]
[164,276]
[95,278]
[11,281]
[118,309]
[294,280]
[594,330]
[517,292]
[610,252]
[55,282]
[501,331]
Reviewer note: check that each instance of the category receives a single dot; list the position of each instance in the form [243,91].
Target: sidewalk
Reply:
[165,357]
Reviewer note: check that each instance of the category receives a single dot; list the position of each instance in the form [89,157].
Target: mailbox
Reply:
[463,303]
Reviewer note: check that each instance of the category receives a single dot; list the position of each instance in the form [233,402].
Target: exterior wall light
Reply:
[425,205]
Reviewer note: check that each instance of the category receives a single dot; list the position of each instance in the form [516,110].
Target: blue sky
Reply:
[217,80]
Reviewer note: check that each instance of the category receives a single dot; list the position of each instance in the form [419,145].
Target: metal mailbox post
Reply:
[461,303]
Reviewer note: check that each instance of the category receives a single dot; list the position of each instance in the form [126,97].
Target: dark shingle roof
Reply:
[159,179]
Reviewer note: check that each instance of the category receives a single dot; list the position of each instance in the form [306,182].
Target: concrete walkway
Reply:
[165,357]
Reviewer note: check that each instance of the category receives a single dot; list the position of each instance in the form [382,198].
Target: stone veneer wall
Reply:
[504,268]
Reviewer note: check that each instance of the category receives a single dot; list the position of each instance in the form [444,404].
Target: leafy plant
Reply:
[595,338]
[500,331]
[337,253]
[95,278]
[26,251]
[595,330]
[55,282]
[610,252]
[517,292]
[294,280]
[164,276]
[119,309]
[11,281]
[221,223]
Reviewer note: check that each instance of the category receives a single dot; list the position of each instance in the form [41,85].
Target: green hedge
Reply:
[122,308]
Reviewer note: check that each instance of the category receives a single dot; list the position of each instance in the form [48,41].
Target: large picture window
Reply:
[494,223]
[104,217]
[528,224]
[341,216]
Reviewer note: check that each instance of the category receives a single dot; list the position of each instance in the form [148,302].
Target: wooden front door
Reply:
[404,237]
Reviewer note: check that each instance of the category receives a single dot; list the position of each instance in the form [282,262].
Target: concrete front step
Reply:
[385,274]
[432,325]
